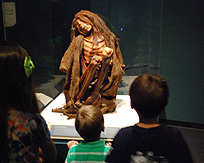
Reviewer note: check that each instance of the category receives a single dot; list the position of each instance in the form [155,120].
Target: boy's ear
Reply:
[167,102]
[103,128]
[131,104]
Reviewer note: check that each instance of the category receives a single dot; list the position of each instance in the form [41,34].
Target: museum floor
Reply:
[193,133]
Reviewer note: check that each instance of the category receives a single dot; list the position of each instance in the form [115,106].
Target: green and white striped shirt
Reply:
[88,152]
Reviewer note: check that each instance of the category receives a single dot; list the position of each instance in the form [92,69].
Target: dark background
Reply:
[156,36]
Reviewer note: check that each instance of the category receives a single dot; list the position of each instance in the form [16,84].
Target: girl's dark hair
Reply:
[149,95]
[89,122]
[16,90]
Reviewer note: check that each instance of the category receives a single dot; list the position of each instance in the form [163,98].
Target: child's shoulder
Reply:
[73,147]
[125,132]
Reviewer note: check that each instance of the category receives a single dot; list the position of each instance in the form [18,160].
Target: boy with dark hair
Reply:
[148,140]
[89,123]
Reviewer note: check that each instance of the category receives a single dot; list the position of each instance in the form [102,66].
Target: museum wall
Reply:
[155,36]
[167,35]
[182,59]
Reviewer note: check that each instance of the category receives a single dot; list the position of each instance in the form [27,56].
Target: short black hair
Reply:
[149,95]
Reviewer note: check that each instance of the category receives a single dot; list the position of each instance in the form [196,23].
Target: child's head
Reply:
[16,88]
[89,122]
[149,95]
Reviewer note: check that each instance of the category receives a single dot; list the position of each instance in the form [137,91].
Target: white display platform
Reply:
[62,128]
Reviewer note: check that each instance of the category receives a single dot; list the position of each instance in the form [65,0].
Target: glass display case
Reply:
[155,36]
[143,31]
[43,29]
